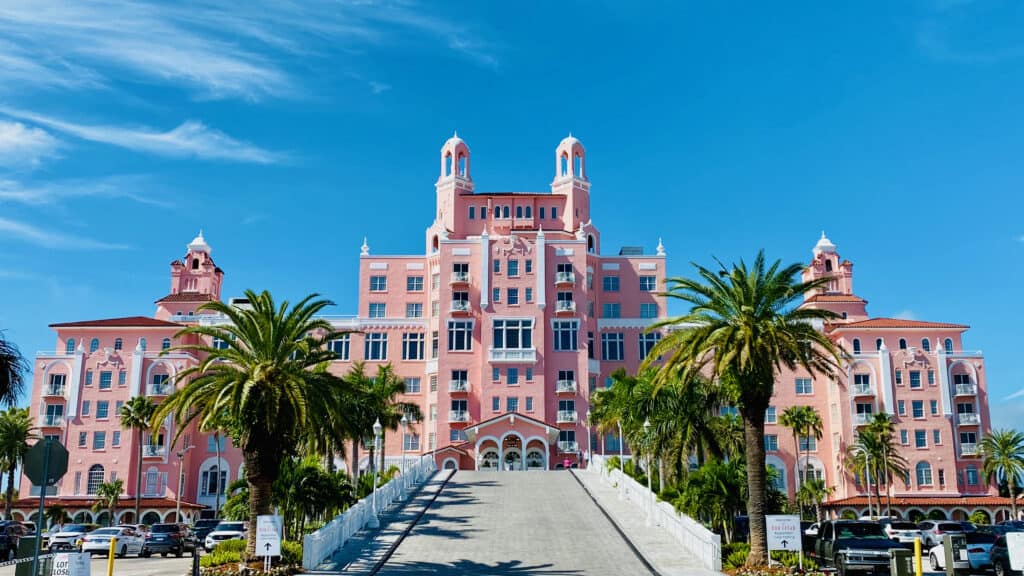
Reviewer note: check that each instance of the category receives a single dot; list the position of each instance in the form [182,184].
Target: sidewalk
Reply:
[658,547]
[360,554]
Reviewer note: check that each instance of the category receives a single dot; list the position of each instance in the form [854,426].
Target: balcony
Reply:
[459,278]
[51,420]
[565,387]
[461,307]
[968,418]
[153,451]
[568,278]
[568,447]
[862,418]
[458,416]
[512,355]
[968,449]
[54,390]
[966,390]
[863,390]
[566,416]
[162,389]
[458,386]
[565,307]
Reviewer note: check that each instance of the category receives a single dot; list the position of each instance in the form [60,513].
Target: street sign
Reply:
[1015,549]
[784,532]
[36,466]
[268,535]
[72,564]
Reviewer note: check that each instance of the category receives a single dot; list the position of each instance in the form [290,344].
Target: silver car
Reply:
[902,531]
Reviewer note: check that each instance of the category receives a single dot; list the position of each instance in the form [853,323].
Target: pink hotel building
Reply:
[501,329]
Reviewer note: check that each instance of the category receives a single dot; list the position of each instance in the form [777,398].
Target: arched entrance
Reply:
[489,458]
[512,452]
[536,455]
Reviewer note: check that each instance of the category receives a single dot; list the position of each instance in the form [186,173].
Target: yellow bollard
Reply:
[918,569]
[110,556]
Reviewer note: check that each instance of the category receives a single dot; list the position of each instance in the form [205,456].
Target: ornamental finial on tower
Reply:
[364,250]
[661,248]
[824,245]
[198,244]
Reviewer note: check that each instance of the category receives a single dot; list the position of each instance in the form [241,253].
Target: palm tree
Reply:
[137,414]
[270,381]
[13,367]
[812,493]
[107,495]
[875,455]
[16,431]
[1002,453]
[805,422]
[383,392]
[744,326]
[57,515]
[359,415]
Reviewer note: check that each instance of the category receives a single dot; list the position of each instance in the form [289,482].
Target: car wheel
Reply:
[163,554]
[145,554]
[934,562]
[179,552]
[840,568]
[124,552]
[1000,570]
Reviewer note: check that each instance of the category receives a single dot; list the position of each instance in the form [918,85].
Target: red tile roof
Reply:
[124,502]
[924,501]
[898,323]
[187,297]
[836,298]
[126,322]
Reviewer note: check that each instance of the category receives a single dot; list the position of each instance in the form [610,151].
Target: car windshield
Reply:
[106,532]
[164,528]
[207,523]
[904,526]
[74,528]
[980,538]
[860,530]
[951,527]
[231,527]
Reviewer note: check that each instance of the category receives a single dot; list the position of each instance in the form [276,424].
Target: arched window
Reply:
[165,344]
[878,344]
[94,479]
[69,346]
[564,170]
[948,344]
[506,212]
[462,165]
[118,344]
[856,345]
[590,243]
[195,263]
[211,482]
[94,344]
[435,244]
[152,487]
[448,164]
[828,265]
[578,166]
[529,212]
[519,211]
[925,345]
[903,343]
[924,474]
[142,344]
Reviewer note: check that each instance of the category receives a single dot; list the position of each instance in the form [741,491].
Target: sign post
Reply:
[268,538]
[45,463]
[784,534]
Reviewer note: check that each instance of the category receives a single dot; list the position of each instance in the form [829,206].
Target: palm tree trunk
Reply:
[753,434]
[260,492]
[661,476]
[355,459]
[216,482]
[138,482]
[383,437]
[796,450]
[10,493]
[1013,497]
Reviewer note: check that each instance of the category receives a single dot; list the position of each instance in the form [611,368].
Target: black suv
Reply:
[10,535]
[169,539]
[202,528]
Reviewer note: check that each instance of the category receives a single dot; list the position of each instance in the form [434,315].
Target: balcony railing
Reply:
[565,387]
[458,386]
[153,451]
[458,416]
[54,390]
[460,278]
[163,389]
[968,418]
[51,420]
[565,306]
[565,278]
[863,390]
[968,449]
[566,416]
[461,306]
[568,447]
[512,355]
[966,390]
[861,418]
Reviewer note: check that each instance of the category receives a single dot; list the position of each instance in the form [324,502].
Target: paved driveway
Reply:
[514,523]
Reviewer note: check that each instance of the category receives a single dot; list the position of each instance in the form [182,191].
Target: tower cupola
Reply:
[570,159]
[455,159]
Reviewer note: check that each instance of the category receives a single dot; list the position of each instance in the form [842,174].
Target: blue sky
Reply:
[289,132]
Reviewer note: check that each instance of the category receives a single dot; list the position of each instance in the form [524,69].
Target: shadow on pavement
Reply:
[471,568]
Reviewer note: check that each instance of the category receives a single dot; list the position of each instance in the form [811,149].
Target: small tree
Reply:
[16,431]
[57,515]
[136,415]
[1002,453]
[107,495]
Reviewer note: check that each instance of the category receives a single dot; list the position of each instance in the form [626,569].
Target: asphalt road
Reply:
[155,566]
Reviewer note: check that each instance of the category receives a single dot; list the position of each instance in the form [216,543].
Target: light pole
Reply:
[377,428]
[590,448]
[650,495]
[622,468]
[181,480]
[405,426]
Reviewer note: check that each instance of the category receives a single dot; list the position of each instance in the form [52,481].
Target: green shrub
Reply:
[736,559]
[220,557]
[230,546]
[792,560]
[728,549]
[291,552]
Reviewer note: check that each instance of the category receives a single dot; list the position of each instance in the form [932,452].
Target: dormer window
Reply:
[195,263]
[903,343]
[828,265]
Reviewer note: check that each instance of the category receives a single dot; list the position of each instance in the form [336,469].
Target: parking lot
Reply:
[155,566]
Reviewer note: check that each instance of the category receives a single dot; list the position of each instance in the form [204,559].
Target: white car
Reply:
[226,531]
[98,541]
[903,532]
[979,546]
[68,536]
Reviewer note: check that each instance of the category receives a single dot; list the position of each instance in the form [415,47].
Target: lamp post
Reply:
[405,426]
[622,468]
[181,480]
[590,447]
[374,522]
[650,495]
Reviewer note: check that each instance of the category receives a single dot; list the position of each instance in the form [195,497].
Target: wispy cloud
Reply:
[379,87]
[190,139]
[254,219]
[25,147]
[52,192]
[213,49]
[50,238]
[907,315]
[1016,394]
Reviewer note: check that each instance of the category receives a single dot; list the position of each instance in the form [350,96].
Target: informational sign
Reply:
[784,532]
[1015,549]
[71,564]
[268,535]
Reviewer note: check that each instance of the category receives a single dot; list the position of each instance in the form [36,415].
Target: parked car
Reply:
[979,546]
[141,529]
[1000,559]
[11,533]
[128,541]
[226,531]
[69,536]
[902,531]
[853,545]
[932,531]
[167,539]
[202,528]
